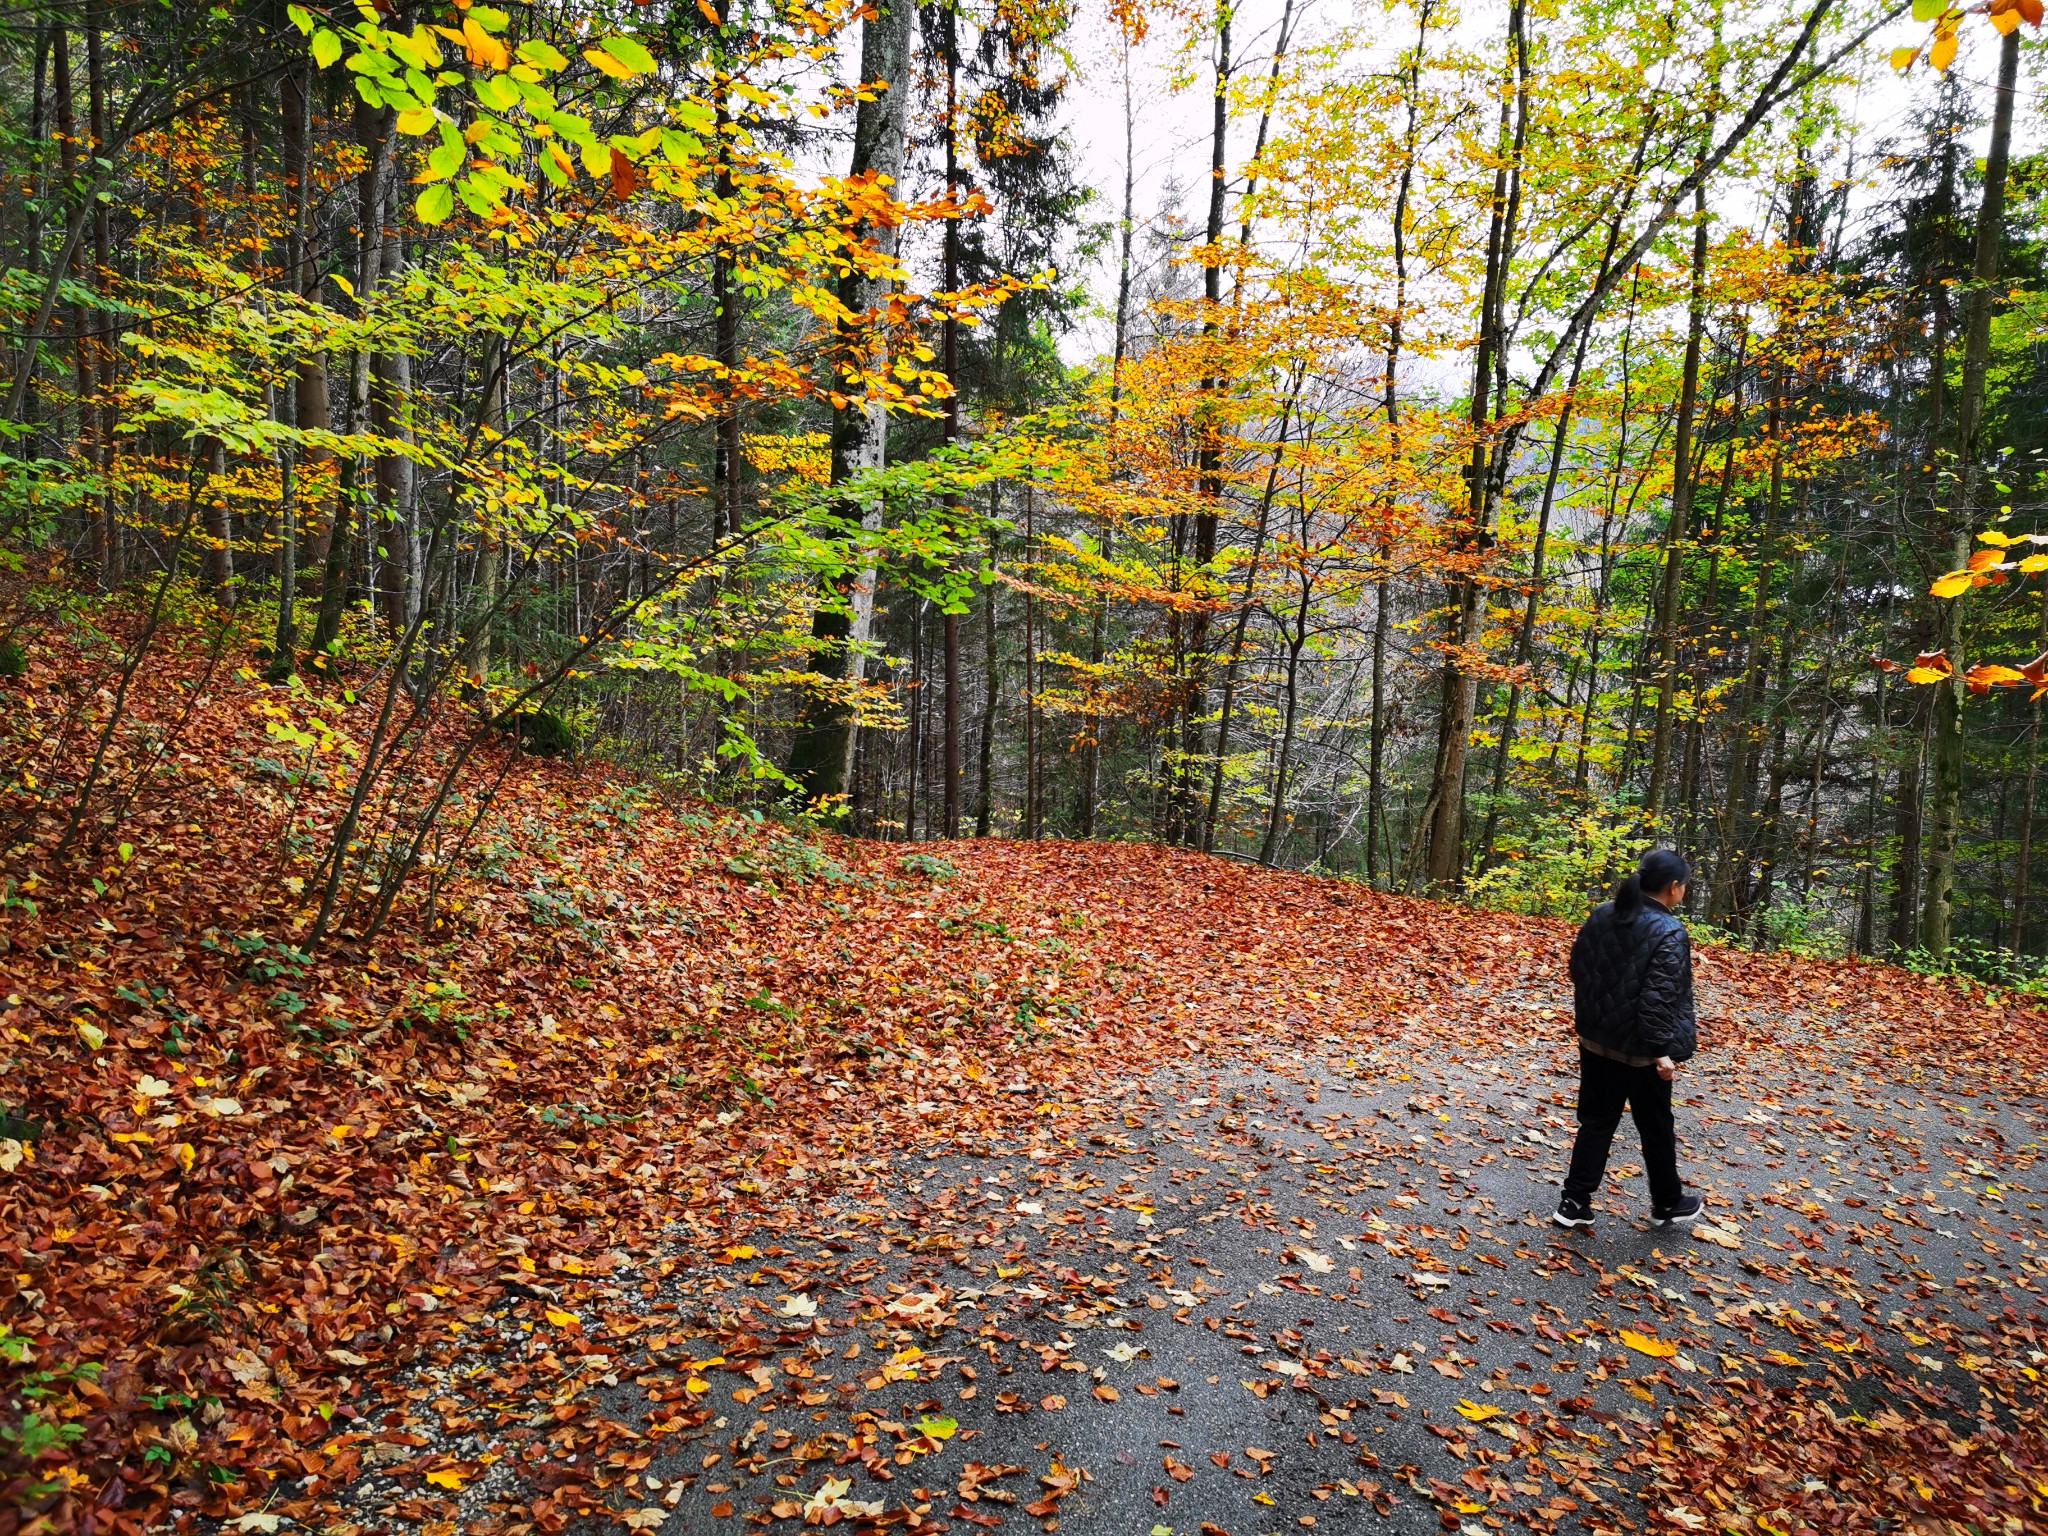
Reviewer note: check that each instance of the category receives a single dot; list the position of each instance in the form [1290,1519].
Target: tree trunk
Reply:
[1525,634]
[950,622]
[1244,614]
[1682,482]
[391,388]
[991,696]
[1269,850]
[1209,450]
[373,127]
[1460,693]
[105,329]
[728,517]
[295,111]
[821,758]
[1937,917]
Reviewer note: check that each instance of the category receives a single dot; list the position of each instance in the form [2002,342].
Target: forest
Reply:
[716,715]
[1522,435]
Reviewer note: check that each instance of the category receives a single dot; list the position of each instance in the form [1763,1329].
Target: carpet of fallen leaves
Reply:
[260,1192]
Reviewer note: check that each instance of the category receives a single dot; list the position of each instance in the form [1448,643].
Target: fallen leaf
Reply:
[1647,1344]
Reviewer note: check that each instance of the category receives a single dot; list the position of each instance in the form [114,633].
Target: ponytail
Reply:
[1660,869]
[1628,899]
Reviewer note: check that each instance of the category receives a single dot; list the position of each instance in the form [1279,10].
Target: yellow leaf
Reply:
[611,66]
[482,48]
[1925,675]
[1996,539]
[697,1384]
[130,1136]
[1952,585]
[2005,21]
[1902,58]
[184,1154]
[93,1036]
[417,121]
[446,1477]
[2033,563]
[563,1319]
[1943,53]
[1262,1498]
[1644,1344]
[741,1251]
[1782,1358]
[1478,1413]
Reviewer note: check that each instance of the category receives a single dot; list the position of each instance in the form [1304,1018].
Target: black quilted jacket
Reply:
[1632,983]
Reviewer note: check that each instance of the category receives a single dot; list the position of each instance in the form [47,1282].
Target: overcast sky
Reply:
[1172,125]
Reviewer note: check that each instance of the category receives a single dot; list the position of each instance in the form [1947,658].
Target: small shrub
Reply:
[930,865]
[1974,961]
[1808,928]
[1561,867]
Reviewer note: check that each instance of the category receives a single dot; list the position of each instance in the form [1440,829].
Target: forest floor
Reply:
[699,1174]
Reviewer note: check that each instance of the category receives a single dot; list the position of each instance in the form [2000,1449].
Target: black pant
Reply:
[1607,1087]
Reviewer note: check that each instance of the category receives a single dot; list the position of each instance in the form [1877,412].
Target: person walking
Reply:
[1632,1000]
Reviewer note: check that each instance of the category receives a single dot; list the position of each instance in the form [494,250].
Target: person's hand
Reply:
[1667,1068]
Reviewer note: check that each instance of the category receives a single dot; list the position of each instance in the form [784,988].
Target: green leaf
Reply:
[489,18]
[301,17]
[434,204]
[629,53]
[447,159]
[575,129]
[1927,10]
[326,48]
[481,196]
[541,56]
[497,93]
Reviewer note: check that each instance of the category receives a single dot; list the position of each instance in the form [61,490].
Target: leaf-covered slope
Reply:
[251,1185]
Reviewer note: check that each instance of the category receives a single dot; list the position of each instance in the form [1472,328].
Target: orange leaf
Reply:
[1985,560]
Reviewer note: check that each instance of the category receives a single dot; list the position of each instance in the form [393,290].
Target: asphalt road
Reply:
[1315,1288]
